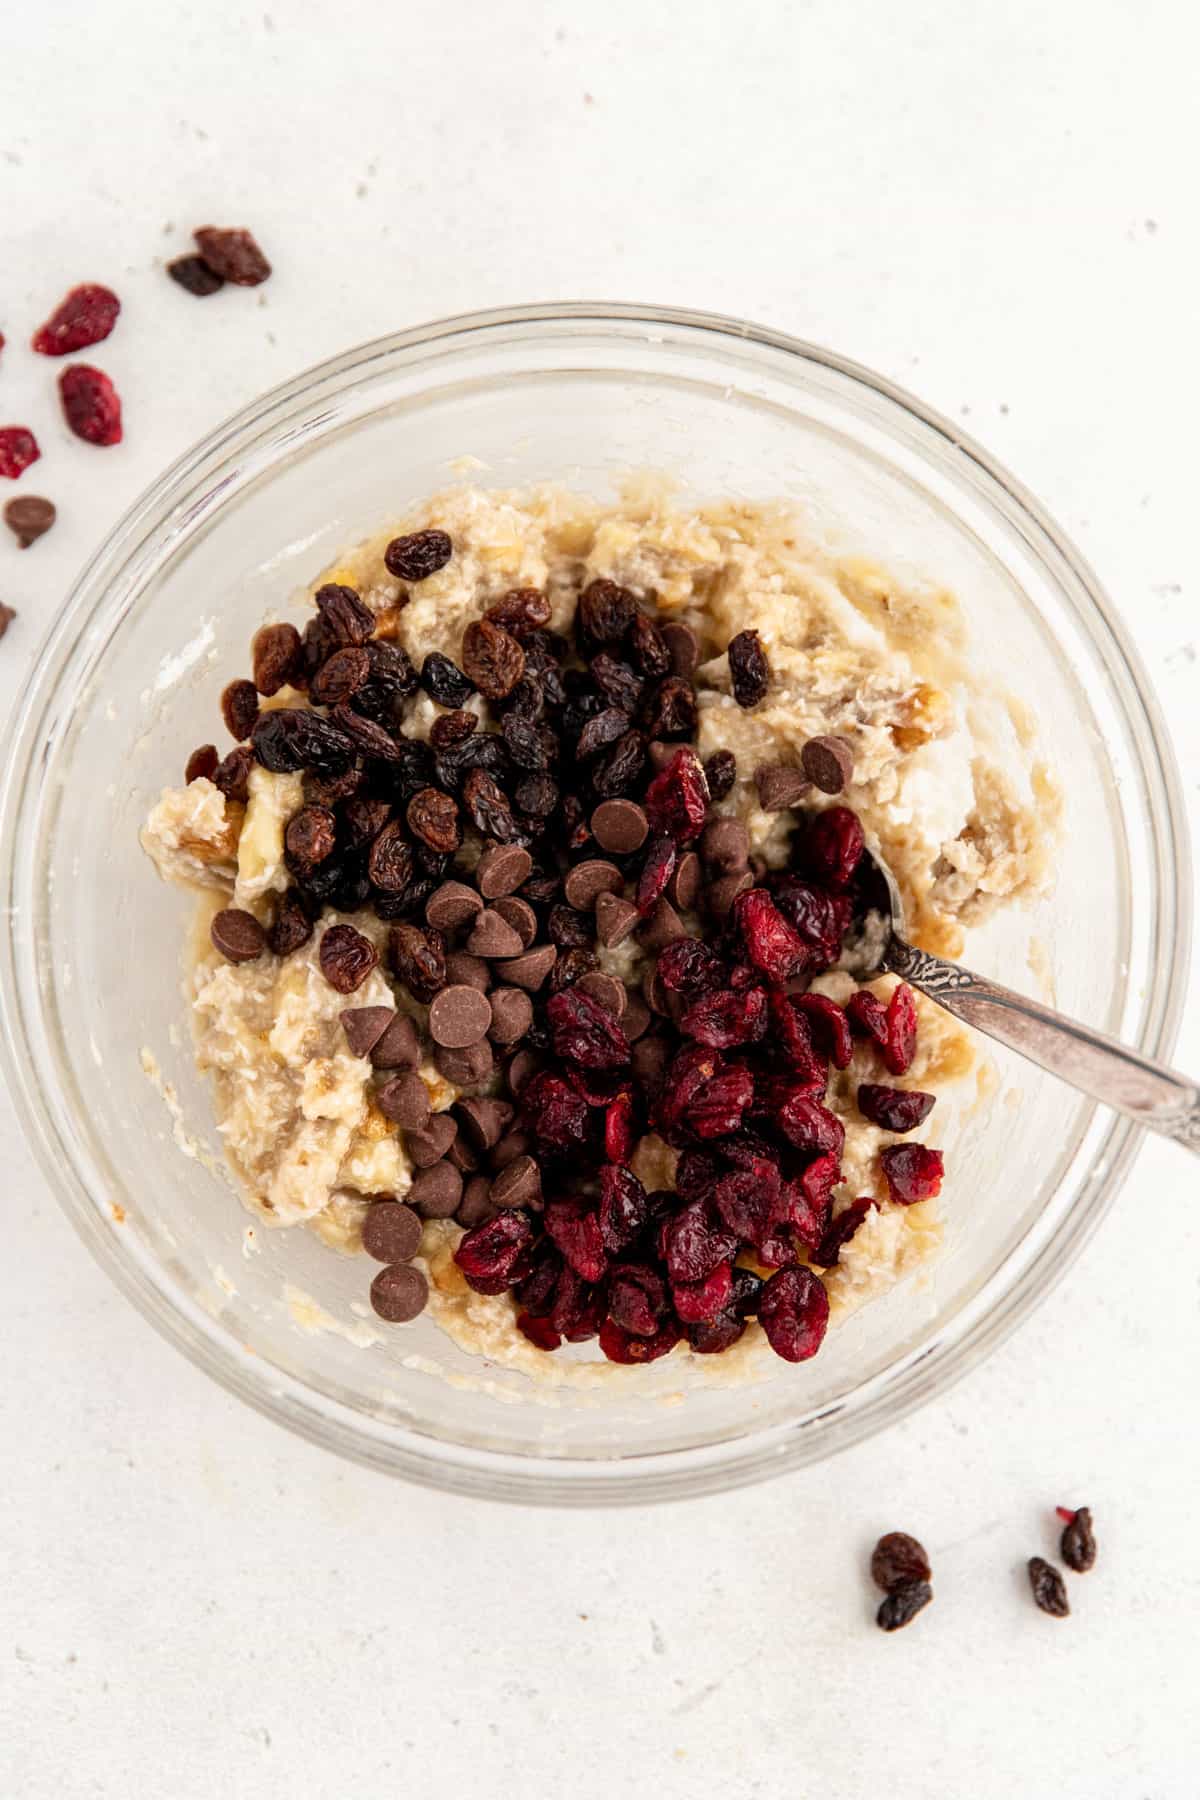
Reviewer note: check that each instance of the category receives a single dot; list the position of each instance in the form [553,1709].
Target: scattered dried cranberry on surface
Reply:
[912,1172]
[894,1109]
[85,316]
[91,405]
[900,1039]
[233,254]
[18,449]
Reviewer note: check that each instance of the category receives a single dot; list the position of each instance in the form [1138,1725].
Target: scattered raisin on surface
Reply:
[896,1559]
[721,773]
[1078,1541]
[233,254]
[902,1605]
[194,275]
[749,670]
[433,817]
[1049,1588]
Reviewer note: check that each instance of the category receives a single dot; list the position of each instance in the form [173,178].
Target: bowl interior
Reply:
[171,611]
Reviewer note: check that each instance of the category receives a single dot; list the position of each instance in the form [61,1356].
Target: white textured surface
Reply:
[993,206]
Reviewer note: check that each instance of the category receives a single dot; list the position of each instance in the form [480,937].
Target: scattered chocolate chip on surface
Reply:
[828,763]
[399,1293]
[391,1232]
[29,518]
[780,786]
[237,935]
[436,1190]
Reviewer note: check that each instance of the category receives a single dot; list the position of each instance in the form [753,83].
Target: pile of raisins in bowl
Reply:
[557,808]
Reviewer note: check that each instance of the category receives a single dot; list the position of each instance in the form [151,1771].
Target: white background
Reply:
[994,206]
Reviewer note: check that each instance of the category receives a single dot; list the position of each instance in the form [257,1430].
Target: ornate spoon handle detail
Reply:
[1109,1071]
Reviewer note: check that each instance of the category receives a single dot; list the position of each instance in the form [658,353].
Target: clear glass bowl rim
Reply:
[1013,1290]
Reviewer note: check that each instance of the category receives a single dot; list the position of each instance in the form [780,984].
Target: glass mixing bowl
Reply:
[128,681]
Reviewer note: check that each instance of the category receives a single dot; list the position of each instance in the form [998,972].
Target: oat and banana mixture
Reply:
[526,888]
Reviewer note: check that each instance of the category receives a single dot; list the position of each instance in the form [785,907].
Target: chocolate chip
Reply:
[721,894]
[463,1157]
[399,1047]
[459,1016]
[475,1207]
[663,927]
[493,936]
[683,647]
[405,1101]
[684,885]
[650,1058]
[502,869]
[520,915]
[510,1146]
[606,990]
[431,1142]
[237,935]
[482,1120]
[399,1293]
[364,1026]
[615,919]
[436,1191]
[654,993]
[519,1184]
[661,754]
[512,1015]
[468,971]
[619,826]
[828,763]
[635,1020]
[451,905]
[524,1064]
[467,1068]
[780,786]
[587,880]
[29,517]
[391,1232]
[725,845]
[7,615]
[530,970]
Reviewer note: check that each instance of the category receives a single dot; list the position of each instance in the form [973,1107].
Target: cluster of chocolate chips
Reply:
[507,853]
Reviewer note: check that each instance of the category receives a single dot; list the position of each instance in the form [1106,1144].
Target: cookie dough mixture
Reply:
[420,915]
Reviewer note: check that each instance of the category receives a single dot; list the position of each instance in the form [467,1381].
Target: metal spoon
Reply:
[1110,1072]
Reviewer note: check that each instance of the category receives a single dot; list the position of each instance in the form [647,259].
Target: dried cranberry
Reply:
[677,799]
[833,847]
[713,1336]
[657,870]
[574,1225]
[619,1136]
[85,316]
[792,1036]
[624,1208]
[579,1307]
[724,1020]
[682,1081]
[584,1032]
[18,449]
[637,1299]
[750,1204]
[867,1016]
[696,1174]
[716,1111]
[536,1292]
[620,1347]
[840,1230]
[605,613]
[554,1112]
[233,254]
[690,968]
[818,918]
[809,1198]
[829,1026]
[491,1255]
[770,942]
[894,1109]
[91,404]
[418,958]
[794,1311]
[540,1332]
[720,771]
[697,1301]
[749,670]
[810,1126]
[912,1172]
[695,1241]
[900,1041]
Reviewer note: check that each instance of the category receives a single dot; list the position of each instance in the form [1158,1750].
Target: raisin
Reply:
[492,658]
[571,967]
[391,680]
[616,772]
[648,648]
[902,1605]
[340,675]
[490,812]
[536,796]
[893,1109]
[569,928]
[291,738]
[418,958]
[239,708]
[362,817]
[202,763]
[451,728]
[232,774]
[1049,1588]
[637,1299]
[18,449]
[603,728]
[91,405]
[1078,1542]
[444,681]
[85,316]
[345,620]
[749,670]
[720,772]
[346,958]
[310,837]
[233,254]
[390,860]
[618,683]
[277,655]
[530,745]
[368,738]
[519,611]
[605,613]
[194,275]
[292,928]
[418,555]
[433,817]
[898,1559]
[670,710]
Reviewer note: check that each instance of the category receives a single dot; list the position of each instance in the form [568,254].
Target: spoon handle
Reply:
[1109,1071]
